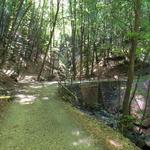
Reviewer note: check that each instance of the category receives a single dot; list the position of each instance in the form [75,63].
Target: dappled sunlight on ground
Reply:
[27,95]
[47,124]
[115,144]
[84,141]
[43,125]
[23,90]
[25,99]
[49,83]
[36,86]
[76,132]
[34,83]
[28,79]
[81,141]
[45,98]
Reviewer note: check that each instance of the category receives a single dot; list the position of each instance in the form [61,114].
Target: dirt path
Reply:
[37,120]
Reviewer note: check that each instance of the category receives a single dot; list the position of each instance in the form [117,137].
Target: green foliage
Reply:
[126,123]
[132,35]
[117,51]
[100,27]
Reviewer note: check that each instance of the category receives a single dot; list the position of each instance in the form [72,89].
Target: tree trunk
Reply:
[50,40]
[81,41]
[73,38]
[134,42]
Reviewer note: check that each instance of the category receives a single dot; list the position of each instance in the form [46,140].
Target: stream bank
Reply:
[106,110]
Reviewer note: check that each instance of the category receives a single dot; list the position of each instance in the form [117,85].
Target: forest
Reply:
[75,74]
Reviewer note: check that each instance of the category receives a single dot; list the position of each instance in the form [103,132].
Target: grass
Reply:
[42,125]
[50,124]
[111,139]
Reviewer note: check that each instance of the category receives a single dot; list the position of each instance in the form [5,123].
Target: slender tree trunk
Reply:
[81,41]
[88,52]
[50,41]
[134,42]
[1,18]
[93,56]
[73,38]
